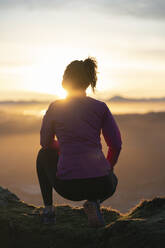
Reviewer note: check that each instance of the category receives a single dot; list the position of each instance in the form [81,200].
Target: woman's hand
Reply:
[55,145]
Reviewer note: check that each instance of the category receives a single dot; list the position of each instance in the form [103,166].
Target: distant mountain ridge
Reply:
[125,99]
[116,98]
[25,102]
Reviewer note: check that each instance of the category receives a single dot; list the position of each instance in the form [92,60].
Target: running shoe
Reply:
[48,216]
[92,210]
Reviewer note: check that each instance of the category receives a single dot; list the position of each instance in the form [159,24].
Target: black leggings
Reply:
[92,189]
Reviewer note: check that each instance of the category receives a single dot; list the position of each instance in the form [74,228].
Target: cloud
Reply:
[156,54]
[31,4]
[141,8]
[138,8]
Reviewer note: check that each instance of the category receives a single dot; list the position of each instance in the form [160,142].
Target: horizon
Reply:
[43,97]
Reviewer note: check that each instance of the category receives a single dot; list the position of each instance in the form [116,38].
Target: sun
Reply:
[46,77]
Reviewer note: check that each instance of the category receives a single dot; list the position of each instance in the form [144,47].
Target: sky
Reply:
[38,38]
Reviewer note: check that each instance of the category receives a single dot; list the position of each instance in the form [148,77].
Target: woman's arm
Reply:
[47,132]
[112,136]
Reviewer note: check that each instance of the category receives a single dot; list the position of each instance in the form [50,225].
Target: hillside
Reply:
[20,226]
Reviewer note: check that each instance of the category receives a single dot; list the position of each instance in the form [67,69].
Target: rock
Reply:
[6,197]
[21,227]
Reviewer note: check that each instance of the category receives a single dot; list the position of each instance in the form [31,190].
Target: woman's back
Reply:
[77,123]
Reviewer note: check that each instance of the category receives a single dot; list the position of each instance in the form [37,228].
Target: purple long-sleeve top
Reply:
[73,126]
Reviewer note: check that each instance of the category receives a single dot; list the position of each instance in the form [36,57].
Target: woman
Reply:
[74,164]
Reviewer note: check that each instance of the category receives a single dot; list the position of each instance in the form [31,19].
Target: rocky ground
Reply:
[21,227]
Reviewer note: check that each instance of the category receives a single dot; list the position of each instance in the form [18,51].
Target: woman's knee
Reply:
[114,183]
[115,180]
[39,159]
[45,155]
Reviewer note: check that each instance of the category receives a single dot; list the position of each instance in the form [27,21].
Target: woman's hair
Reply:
[80,74]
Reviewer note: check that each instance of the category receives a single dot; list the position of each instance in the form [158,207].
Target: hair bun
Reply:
[91,62]
[91,67]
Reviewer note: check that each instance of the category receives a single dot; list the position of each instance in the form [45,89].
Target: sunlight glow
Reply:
[34,112]
[42,112]
[45,74]
[46,78]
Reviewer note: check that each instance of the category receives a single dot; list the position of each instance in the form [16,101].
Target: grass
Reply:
[20,226]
